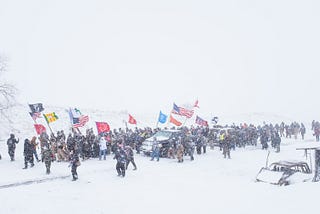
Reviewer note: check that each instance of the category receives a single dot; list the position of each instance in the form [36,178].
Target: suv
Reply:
[285,173]
[164,137]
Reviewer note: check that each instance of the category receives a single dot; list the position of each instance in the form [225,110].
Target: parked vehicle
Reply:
[166,138]
[285,173]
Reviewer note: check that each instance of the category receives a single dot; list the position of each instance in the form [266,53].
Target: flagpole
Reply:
[48,124]
[79,130]
[158,121]
[71,118]
[34,121]
[168,123]
[34,126]
[185,121]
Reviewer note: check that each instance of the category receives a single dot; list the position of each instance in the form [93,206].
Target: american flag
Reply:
[182,111]
[35,115]
[201,121]
[80,121]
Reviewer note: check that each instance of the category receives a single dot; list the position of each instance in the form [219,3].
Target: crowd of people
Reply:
[121,143]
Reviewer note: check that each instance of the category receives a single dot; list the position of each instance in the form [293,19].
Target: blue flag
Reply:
[162,118]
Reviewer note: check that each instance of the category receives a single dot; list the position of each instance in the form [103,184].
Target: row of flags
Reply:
[77,119]
[188,113]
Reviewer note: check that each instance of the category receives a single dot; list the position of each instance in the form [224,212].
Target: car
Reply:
[285,173]
[165,138]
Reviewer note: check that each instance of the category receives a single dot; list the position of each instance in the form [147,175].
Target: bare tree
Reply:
[7,91]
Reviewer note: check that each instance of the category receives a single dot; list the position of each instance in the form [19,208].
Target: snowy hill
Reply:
[22,124]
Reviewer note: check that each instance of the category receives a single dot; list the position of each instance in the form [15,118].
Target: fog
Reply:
[141,56]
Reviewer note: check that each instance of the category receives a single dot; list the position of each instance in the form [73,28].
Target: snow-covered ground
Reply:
[210,184]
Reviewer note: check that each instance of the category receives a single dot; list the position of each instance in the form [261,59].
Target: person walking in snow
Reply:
[198,144]
[28,153]
[130,157]
[264,140]
[276,141]
[74,163]
[226,146]
[190,147]
[34,146]
[11,142]
[121,157]
[180,152]
[46,156]
[155,150]
[103,148]
[302,130]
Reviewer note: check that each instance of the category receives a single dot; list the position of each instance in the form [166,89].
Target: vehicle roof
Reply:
[170,130]
[289,163]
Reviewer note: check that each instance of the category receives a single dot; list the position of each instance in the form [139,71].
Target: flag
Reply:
[76,118]
[182,111]
[215,120]
[102,127]
[174,121]
[201,121]
[35,115]
[75,112]
[37,107]
[132,120]
[51,117]
[39,128]
[162,117]
[80,121]
[196,104]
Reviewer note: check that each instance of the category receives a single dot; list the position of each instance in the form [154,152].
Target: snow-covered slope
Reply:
[22,124]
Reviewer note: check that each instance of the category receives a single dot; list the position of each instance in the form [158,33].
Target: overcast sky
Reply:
[141,56]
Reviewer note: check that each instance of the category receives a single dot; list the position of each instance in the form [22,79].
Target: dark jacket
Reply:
[28,148]
[121,156]
[11,142]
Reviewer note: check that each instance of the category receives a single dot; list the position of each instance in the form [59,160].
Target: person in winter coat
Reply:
[28,153]
[198,145]
[189,147]
[130,157]
[35,144]
[264,140]
[46,156]
[74,163]
[121,157]
[171,152]
[180,152]
[302,131]
[155,151]
[204,144]
[11,142]
[71,144]
[226,146]
[276,141]
[103,148]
